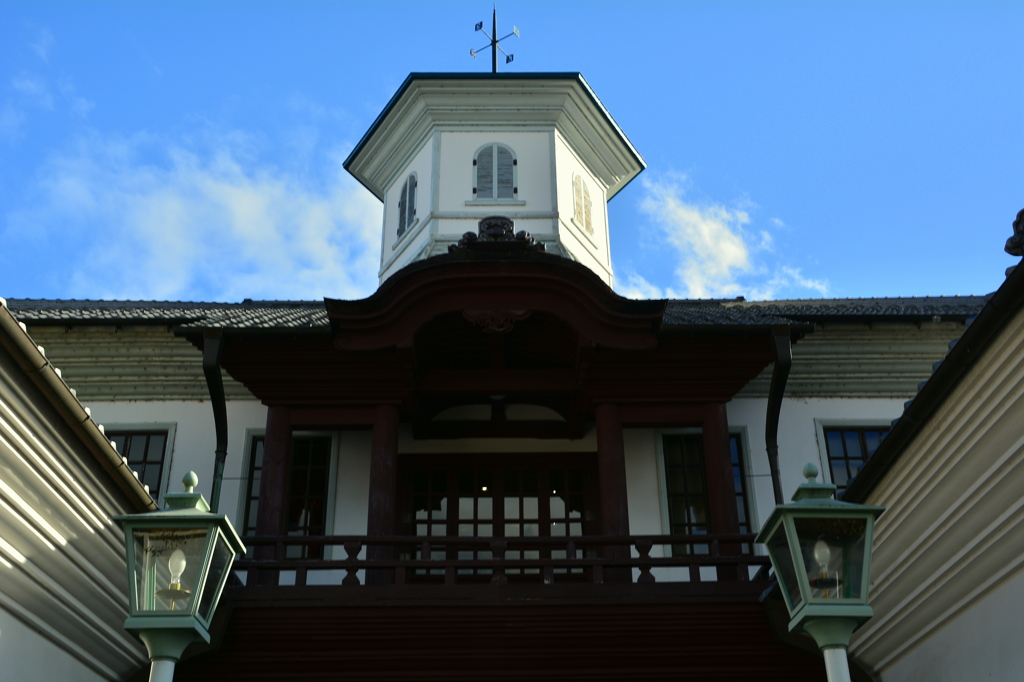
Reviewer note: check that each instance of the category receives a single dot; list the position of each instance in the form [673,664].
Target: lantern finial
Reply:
[190,480]
[811,472]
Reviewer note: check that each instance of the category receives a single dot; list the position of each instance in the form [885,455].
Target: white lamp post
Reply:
[178,563]
[821,552]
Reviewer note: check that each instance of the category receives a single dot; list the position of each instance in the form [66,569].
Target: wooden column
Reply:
[611,475]
[270,516]
[382,516]
[721,488]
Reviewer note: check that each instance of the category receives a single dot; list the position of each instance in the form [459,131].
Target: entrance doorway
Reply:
[498,496]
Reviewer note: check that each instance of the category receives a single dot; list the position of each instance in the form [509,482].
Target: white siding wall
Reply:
[27,656]
[194,440]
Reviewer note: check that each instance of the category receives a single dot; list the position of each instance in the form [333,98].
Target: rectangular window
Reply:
[688,509]
[686,491]
[308,484]
[251,500]
[849,448]
[146,452]
[467,496]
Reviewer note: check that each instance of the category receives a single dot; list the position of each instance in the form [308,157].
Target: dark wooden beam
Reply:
[611,479]
[721,488]
[270,517]
[382,516]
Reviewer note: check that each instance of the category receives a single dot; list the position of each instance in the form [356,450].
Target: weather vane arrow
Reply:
[493,37]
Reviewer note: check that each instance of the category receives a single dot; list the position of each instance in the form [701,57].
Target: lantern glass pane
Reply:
[221,562]
[167,568]
[833,552]
[783,562]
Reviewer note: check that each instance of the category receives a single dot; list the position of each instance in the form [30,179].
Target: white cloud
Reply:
[145,217]
[43,44]
[33,89]
[708,238]
[719,255]
[80,106]
[11,119]
[637,287]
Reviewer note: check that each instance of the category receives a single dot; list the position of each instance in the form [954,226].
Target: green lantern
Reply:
[178,563]
[820,549]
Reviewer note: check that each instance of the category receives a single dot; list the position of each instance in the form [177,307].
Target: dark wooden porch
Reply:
[595,614]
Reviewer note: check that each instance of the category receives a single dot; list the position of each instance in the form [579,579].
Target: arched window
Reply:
[577,193]
[586,210]
[581,204]
[495,173]
[407,205]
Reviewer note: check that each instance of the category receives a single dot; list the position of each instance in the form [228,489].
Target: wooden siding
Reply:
[879,360]
[62,565]
[129,363]
[954,525]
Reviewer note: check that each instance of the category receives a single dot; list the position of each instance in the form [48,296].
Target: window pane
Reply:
[504,173]
[848,450]
[485,173]
[145,452]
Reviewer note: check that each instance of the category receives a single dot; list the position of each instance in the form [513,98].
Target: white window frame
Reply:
[494,201]
[666,526]
[820,425]
[243,482]
[137,427]
[332,479]
[404,196]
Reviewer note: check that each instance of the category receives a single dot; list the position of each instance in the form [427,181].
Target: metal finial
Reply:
[811,472]
[494,40]
[190,481]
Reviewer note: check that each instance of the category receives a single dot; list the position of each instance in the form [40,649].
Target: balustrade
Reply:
[581,559]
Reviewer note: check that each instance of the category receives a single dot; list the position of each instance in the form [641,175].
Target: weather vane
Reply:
[493,37]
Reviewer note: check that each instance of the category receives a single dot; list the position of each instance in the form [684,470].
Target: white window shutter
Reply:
[401,209]
[485,173]
[505,175]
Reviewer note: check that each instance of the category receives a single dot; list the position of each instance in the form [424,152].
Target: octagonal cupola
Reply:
[451,149]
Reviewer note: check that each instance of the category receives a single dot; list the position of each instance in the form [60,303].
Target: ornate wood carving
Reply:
[497,233]
[496,321]
[1015,244]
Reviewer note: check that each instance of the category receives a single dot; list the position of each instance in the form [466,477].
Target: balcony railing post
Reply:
[352,550]
[643,548]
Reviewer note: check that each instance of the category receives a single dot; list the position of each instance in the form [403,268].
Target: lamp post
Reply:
[820,549]
[178,562]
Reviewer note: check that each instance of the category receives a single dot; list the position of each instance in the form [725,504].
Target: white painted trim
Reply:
[479,215]
[753,519]
[819,433]
[741,431]
[495,202]
[243,483]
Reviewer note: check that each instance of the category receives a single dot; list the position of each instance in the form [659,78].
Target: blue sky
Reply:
[192,150]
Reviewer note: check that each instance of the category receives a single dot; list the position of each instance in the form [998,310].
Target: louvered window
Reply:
[495,173]
[586,210]
[407,205]
[577,191]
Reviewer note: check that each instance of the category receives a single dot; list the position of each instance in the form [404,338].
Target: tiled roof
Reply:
[247,314]
[712,312]
[923,307]
[311,314]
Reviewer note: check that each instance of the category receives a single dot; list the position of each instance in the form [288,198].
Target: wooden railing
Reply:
[404,560]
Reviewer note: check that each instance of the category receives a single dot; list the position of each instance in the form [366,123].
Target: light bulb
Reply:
[822,553]
[176,564]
